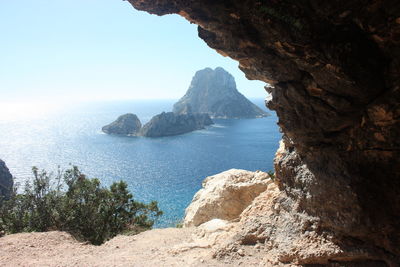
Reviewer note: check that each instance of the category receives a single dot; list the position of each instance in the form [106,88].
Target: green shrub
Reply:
[72,202]
[272,175]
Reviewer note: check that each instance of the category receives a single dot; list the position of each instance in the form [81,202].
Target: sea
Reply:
[169,170]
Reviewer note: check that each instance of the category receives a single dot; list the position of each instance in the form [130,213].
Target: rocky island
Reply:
[169,123]
[164,124]
[214,92]
[211,94]
[128,124]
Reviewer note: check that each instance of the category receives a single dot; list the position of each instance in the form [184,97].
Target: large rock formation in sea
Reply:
[128,124]
[169,123]
[214,92]
[333,70]
[6,180]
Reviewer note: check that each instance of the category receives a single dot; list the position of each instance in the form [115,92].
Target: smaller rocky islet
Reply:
[169,123]
[127,124]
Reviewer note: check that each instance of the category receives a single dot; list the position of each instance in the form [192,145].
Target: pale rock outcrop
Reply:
[225,195]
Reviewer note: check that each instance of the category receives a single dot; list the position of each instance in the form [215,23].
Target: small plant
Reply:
[72,202]
[271,174]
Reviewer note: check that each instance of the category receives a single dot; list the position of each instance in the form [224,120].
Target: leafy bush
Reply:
[84,208]
[179,224]
[272,175]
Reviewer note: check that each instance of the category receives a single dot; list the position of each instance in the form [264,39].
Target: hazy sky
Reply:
[100,49]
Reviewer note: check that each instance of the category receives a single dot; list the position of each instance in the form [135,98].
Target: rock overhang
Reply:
[334,71]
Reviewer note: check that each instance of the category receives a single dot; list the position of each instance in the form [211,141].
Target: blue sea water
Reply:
[167,169]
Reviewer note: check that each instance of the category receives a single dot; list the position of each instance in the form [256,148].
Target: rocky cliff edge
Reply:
[6,180]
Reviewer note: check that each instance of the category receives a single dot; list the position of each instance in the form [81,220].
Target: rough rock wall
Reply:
[6,180]
[334,71]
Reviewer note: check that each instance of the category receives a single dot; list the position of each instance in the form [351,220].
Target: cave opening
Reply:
[73,45]
[334,73]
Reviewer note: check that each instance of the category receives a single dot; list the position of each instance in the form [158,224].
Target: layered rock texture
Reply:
[6,180]
[169,123]
[225,195]
[128,124]
[214,92]
[334,69]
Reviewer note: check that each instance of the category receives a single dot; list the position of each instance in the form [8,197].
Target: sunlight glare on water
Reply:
[11,111]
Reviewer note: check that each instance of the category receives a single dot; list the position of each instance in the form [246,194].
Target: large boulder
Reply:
[169,123]
[6,180]
[225,195]
[128,124]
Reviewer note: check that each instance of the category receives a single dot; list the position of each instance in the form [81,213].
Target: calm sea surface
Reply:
[168,169]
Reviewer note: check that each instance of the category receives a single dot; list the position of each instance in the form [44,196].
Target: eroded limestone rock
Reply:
[225,195]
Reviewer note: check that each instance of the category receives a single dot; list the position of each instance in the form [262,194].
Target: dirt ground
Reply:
[158,247]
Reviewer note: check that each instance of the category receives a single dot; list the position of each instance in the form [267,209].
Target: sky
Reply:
[66,50]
